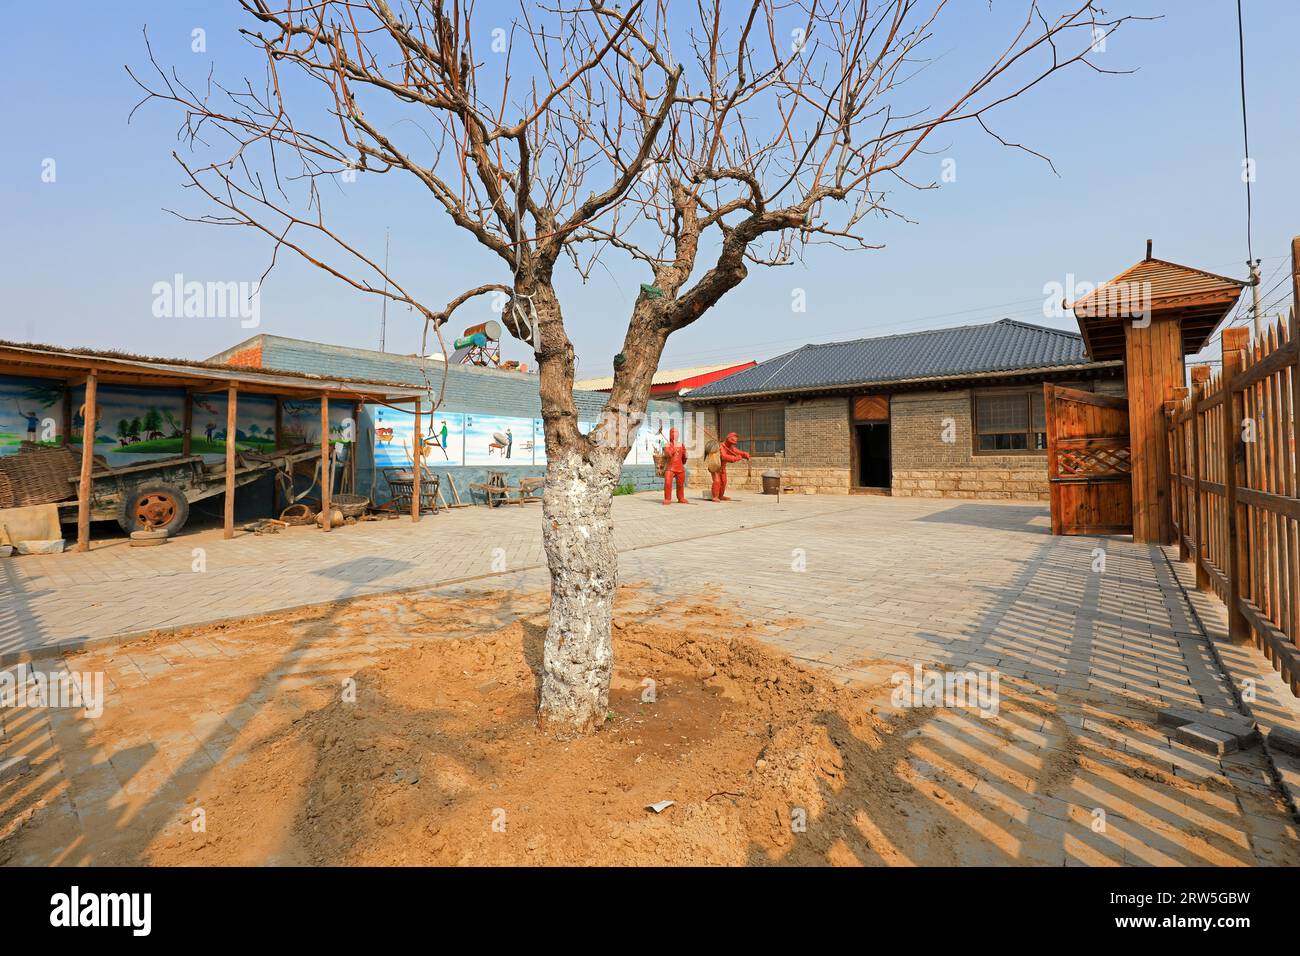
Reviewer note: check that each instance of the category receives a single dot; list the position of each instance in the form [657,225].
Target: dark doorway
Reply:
[873,454]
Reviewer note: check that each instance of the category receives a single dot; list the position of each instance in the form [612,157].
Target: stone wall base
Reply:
[1029,484]
[807,481]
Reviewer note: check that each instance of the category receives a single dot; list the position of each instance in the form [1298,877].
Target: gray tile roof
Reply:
[1002,346]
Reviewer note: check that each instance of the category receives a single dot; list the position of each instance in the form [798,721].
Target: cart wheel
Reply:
[157,506]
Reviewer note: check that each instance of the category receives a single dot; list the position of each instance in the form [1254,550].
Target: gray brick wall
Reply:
[818,450]
[926,466]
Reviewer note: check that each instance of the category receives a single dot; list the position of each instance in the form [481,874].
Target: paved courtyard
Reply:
[1090,636]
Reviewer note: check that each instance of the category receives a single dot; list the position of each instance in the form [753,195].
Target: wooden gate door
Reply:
[1089,462]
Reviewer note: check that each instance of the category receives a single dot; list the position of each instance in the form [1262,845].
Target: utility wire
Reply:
[1245,129]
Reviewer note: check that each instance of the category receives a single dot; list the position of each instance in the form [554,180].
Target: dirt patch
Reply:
[438,759]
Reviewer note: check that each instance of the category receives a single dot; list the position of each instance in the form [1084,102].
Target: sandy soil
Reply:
[436,759]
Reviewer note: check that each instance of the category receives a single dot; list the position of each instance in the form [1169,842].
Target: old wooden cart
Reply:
[156,495]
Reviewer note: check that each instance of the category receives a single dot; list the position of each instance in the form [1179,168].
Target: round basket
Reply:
[352,506]
[295,515]
[659,464]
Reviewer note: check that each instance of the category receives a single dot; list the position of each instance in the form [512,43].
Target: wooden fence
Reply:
[1234,484]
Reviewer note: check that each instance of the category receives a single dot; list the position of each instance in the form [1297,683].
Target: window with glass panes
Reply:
[1010,421]
[759,428]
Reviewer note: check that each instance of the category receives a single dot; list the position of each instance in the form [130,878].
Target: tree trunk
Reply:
[578,534]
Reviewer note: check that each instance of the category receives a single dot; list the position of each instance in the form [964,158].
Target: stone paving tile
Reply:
[1088,656]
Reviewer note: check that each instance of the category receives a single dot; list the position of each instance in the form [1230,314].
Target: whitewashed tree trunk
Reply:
[578,534]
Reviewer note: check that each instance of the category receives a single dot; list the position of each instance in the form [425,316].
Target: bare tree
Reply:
[696,145]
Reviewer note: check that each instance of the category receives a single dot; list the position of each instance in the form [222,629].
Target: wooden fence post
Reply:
[228,514]
[1200,382]
[1178,468]
[89,412]
[1234,343]
[326,474]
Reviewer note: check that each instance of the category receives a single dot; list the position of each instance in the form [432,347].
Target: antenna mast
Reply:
[383,315]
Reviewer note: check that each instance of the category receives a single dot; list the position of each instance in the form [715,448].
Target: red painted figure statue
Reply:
[674,468]
[728,452]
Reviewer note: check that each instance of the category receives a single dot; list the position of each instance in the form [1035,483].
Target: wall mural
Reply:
[31,409]
[300,420]
[539,442]
[254,424]
[395,437]
[131,424]
[498,440]
[136,424]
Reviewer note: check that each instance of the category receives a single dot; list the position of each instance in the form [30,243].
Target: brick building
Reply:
[943,413]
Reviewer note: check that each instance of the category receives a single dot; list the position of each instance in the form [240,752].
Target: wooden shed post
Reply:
[232,398]
[325,477]
[1234,342]
[87,463]
[1153,366]
[1200,382]
[353,455]
[415,467]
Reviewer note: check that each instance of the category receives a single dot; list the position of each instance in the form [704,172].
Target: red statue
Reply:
[728,452]
[674,467]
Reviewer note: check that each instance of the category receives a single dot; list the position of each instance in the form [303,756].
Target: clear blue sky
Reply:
[1152,155]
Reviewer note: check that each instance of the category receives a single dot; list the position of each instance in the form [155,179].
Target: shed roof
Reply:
[67,364]
[1005,347]
[1197,299]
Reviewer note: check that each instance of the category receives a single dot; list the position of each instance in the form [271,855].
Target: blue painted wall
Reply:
[469,390]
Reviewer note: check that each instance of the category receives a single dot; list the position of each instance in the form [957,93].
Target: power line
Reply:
[1245,129]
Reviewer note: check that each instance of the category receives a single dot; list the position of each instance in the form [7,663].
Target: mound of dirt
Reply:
[433,756]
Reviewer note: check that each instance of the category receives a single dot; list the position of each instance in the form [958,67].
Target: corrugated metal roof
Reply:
[668,376]
[1002,346]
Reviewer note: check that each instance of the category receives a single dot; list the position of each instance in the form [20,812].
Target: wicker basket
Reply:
[39,474]
[659,464]
[6,492]
[296,515]
[352,506]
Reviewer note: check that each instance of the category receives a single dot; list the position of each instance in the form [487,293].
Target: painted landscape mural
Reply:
[131,424]
[31,409]
[254,424]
